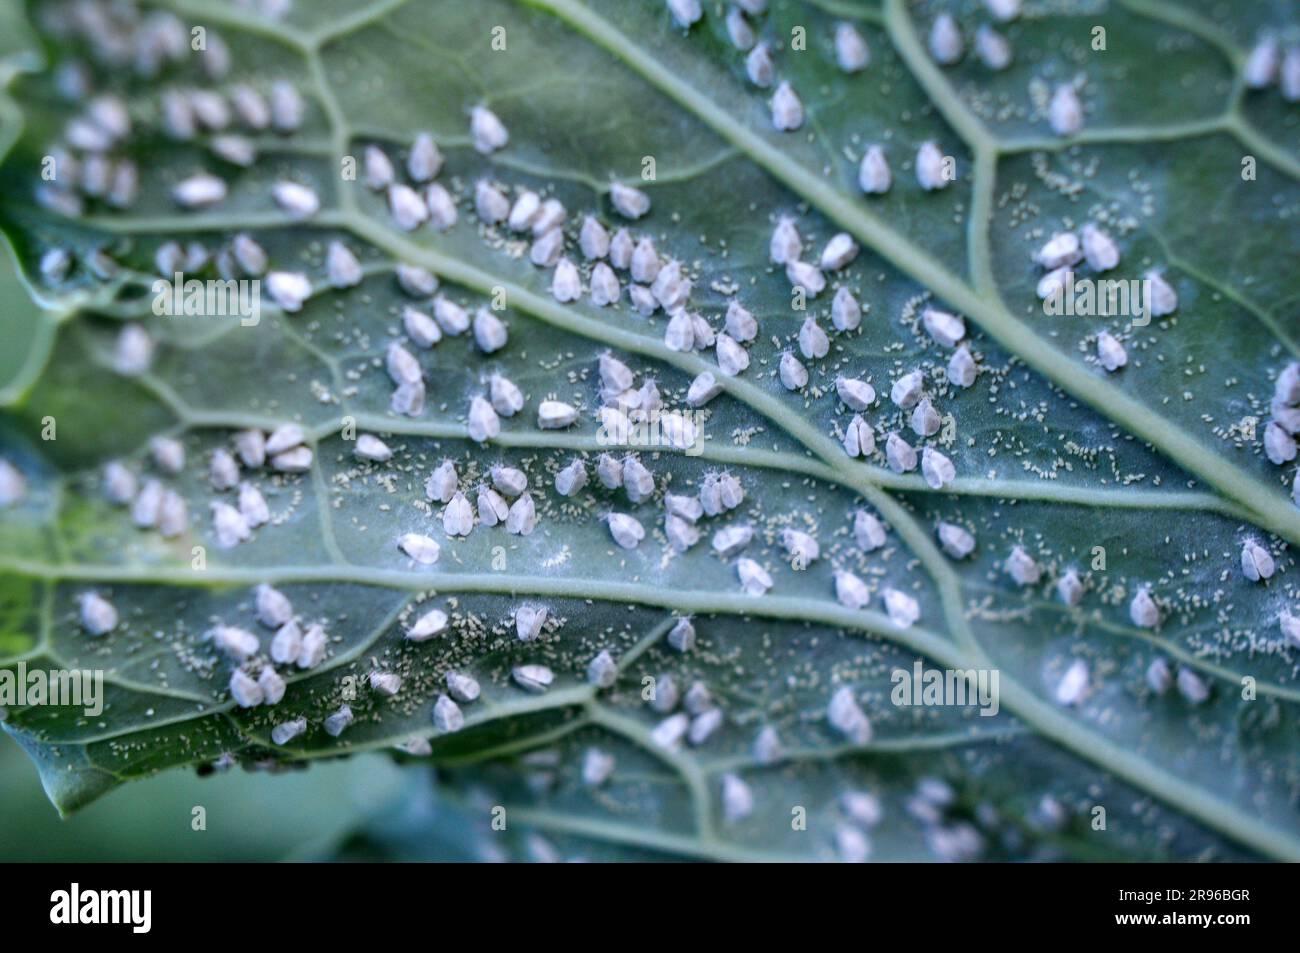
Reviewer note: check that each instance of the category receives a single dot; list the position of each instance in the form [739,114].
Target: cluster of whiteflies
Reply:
[1064,250]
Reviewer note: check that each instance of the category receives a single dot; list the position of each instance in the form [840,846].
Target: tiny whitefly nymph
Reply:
[874,177]
[1065,112]
[420,548]
[946,45]
[787,109]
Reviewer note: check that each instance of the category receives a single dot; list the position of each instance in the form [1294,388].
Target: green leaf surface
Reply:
[1161,464]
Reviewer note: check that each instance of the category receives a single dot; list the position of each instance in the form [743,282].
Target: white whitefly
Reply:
[846,313]
[492,507]
[144,508]
[628,201]
[168,454]
[1069,588]
[1290,626]
[846,716]
[490,203]
[566,284]
[868,531]
[787,109]
[931,167]
[702,331]
[1022,568]
[338,722]
[288,289]
[378,169]
[902,609]
[507,399]
[851,51]
[371,448]
[682,535]
[759,66]
[859,440]
[813,342]
[785,245]
[839,251]
[856,394]
[431,623]
[800,546]
[419,547]
[754,579]
[670,287]
[730,540]
[297,460]
[229,525]
[593,239]
[509,480]
[705,725]
[549,217]
[685,13]
[424,161]
[681,637]
[521,520]
[615,375]
[605,288]
[420,328]
[621,249]
[850,591]
[638,481]
[956,540]
[626,530]
[739,31]
[463,688]
[484,424]
[801,274]
[237,150]
[273,688]
[451,317]
[133,351]
[447,716]
[961,368]
[342,267]
[993,49]
[286,644]
[244,689]
[1191,686]
[556,415]
[252,506]
[936,468]
[1061,250]
[645,263]
[236,643]
[946,45]
[297,200]
[907,390]
[416,281]
[609,470]
[1256,561]
[1110,352]
[314,644]
[732,358]
[597,767]
[287,107]
[946,329]
[527,205]
[173,515]
[687,507]
[851,845]
[1161,297]
[1073,686]
[1054,284]
[874,177]
[1004,10]
[441,207]
[1279,446]
[120,484]
[794,376]
[571,479]
[533,678]
[458,516]
[1099,248]
[402,368]
[1158,676]
[199,191]
[1290,79]
[1065,112]
[490,333]
[487,131]
[223,471]
[1261,66]
[925,419]
[98,616]
[1286,391]
[385,683]
[642,300]
[668,734]
[679,334]
[529,620]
